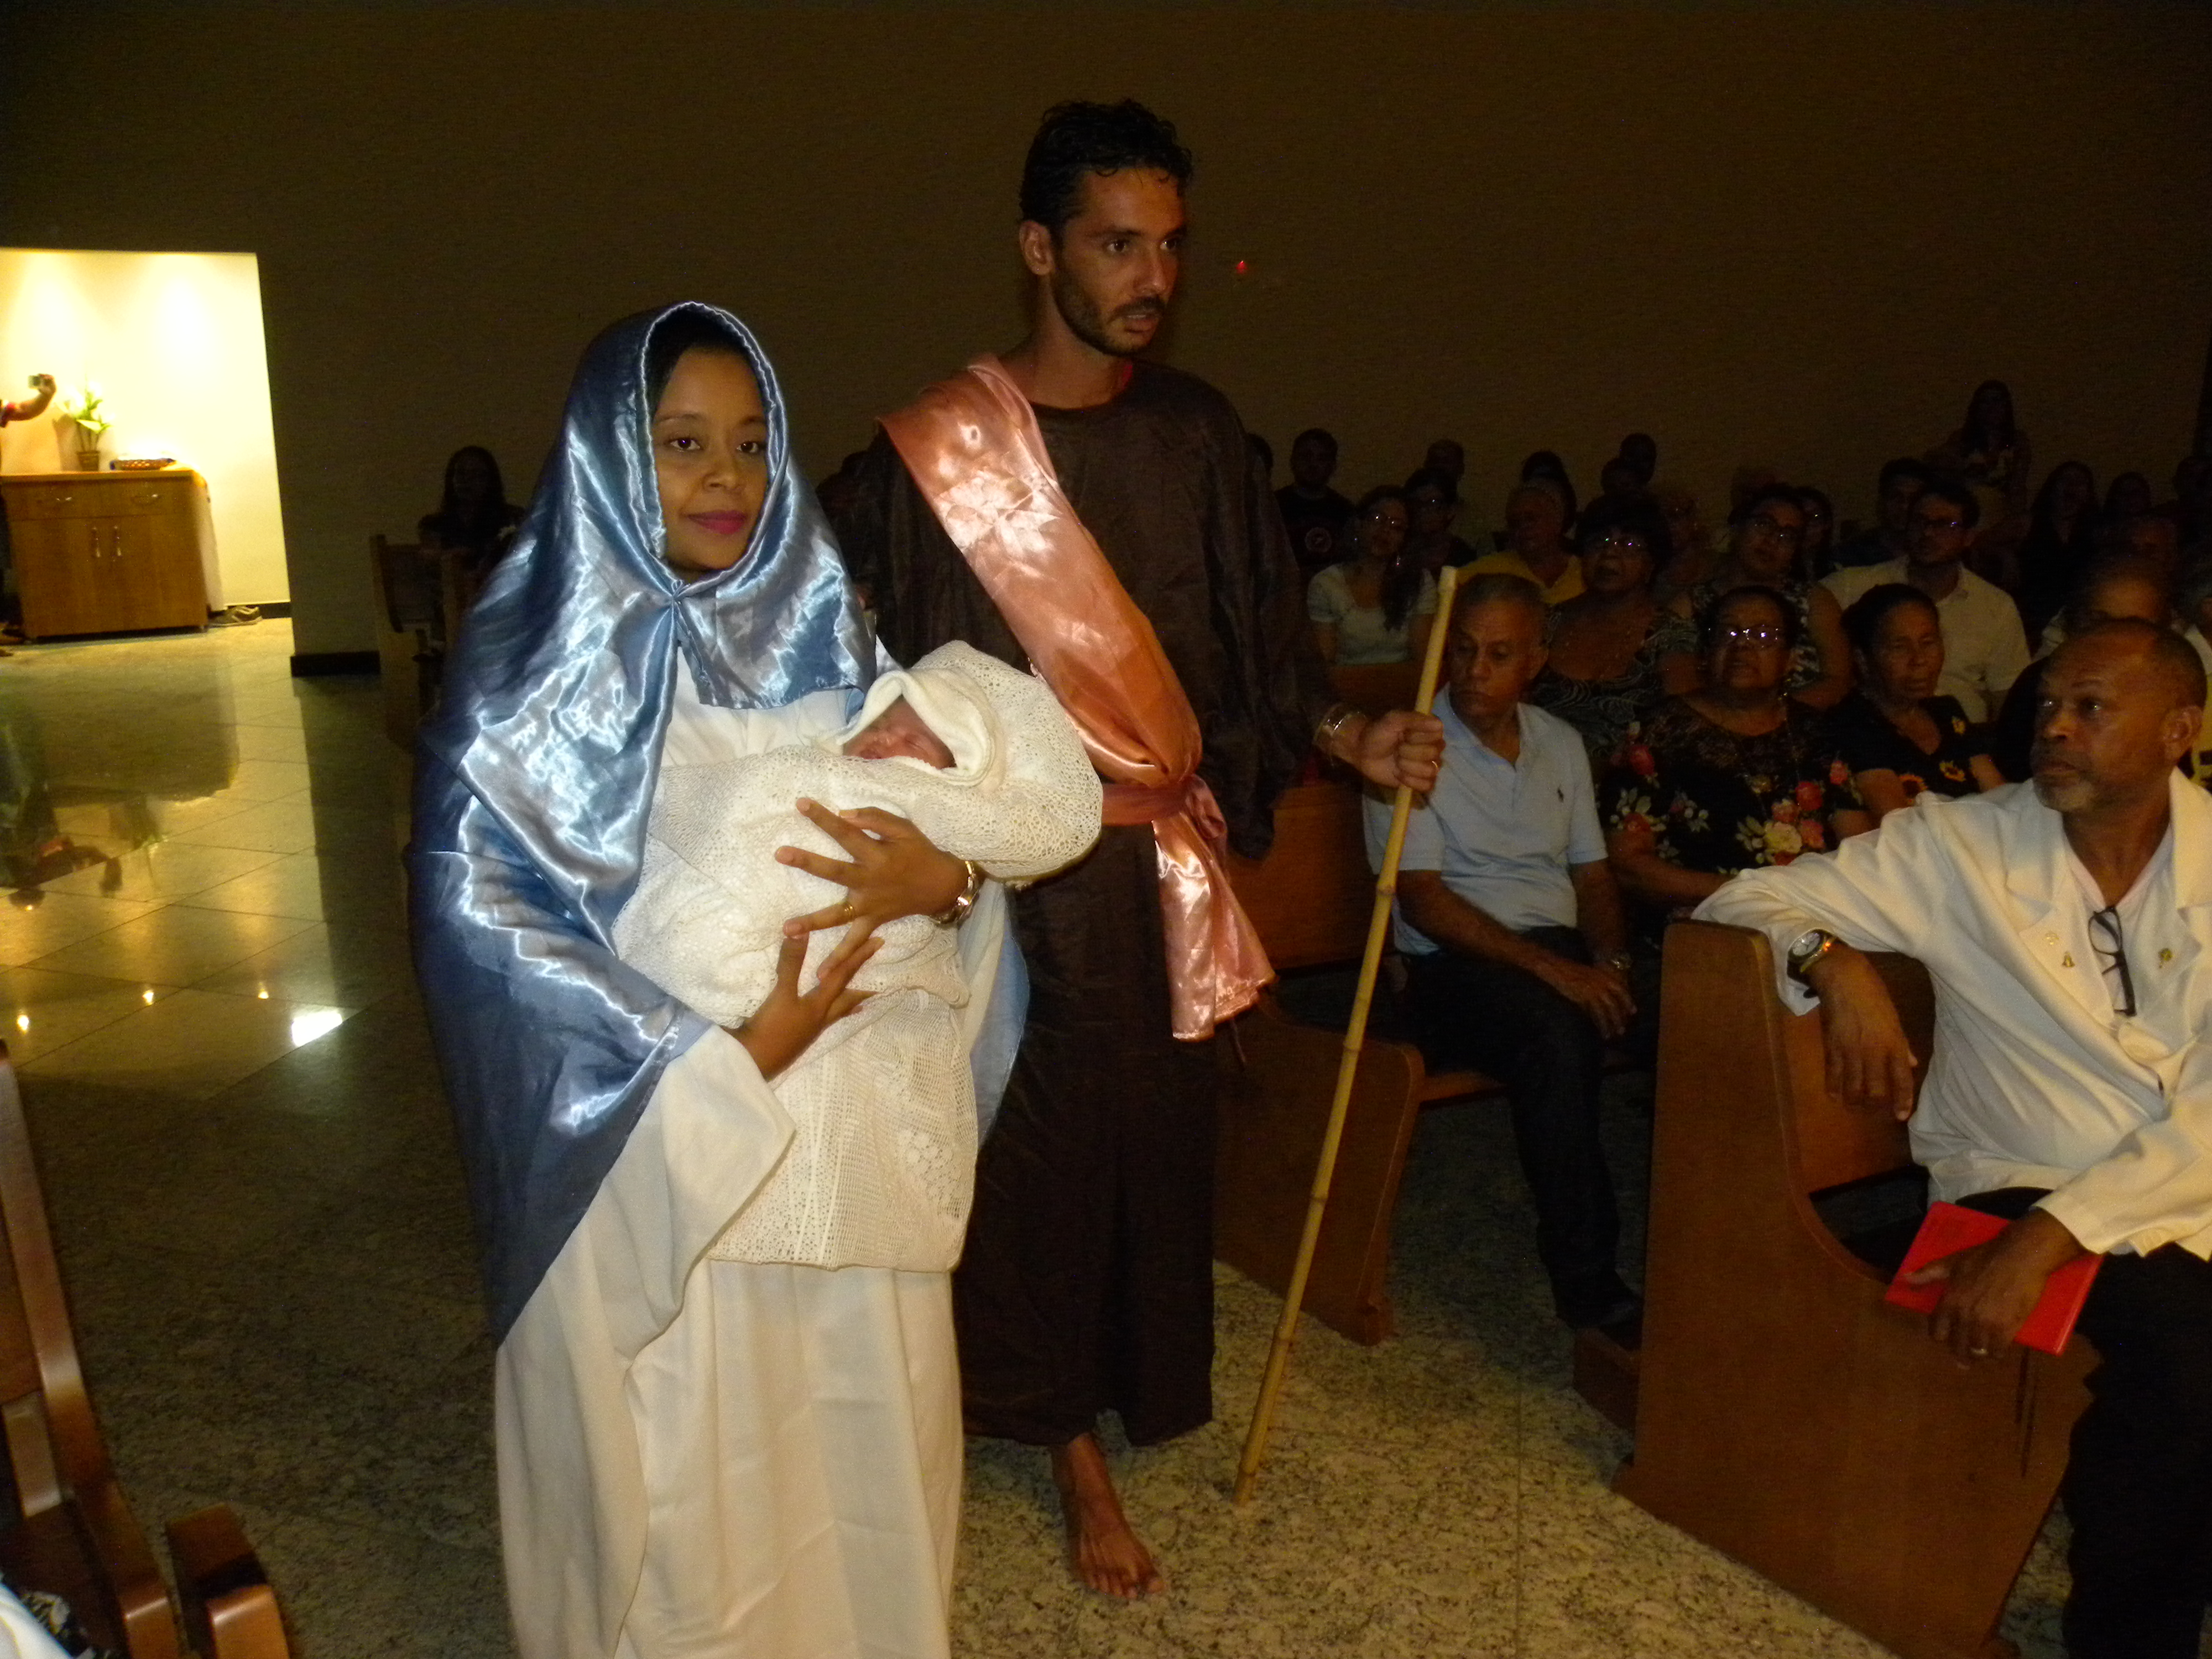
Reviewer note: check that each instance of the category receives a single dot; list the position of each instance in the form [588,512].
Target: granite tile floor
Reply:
[262,1221]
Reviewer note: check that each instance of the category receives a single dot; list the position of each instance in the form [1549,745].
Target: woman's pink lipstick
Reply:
[722,523]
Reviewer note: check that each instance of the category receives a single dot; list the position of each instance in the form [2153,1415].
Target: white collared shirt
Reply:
[2035,1080]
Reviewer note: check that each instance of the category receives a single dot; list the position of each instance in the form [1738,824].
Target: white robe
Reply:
[700,1457]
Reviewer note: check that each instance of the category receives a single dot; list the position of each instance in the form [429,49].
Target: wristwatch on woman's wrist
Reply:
[957,912]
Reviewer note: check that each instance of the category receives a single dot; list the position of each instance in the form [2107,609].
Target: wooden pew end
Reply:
[230,1610]
[1606,1375]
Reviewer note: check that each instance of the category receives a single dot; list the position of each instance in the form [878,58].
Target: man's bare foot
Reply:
[1106,1554]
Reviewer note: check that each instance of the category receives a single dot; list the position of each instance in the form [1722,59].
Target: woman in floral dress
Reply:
[1728,778]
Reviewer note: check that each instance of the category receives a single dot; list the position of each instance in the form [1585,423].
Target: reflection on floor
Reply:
[261,1218]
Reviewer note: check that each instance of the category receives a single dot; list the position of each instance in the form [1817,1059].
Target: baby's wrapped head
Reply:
[899,731]
[978,755]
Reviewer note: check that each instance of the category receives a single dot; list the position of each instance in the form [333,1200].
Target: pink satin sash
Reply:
[974,449]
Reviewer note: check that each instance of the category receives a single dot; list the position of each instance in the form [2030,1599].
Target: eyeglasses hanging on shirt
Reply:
[2111,947]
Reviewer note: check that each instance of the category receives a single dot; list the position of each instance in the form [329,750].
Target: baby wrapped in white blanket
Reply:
[983,761]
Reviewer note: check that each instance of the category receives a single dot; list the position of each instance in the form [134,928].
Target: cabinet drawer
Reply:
[145,497]
[103,495]
[27,502]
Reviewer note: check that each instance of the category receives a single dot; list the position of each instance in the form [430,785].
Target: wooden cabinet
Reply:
[110,552]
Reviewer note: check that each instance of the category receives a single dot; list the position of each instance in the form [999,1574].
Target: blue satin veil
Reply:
[536,773]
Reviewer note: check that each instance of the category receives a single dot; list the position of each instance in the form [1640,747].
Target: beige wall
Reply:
[1795,234]
[174,342]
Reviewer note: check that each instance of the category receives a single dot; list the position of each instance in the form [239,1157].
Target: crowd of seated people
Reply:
[1753,695]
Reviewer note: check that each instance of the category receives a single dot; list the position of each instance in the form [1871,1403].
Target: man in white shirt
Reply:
[2067,928]
[1984,646]
[1516,950]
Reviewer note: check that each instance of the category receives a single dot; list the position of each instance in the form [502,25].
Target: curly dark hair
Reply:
[1076,138]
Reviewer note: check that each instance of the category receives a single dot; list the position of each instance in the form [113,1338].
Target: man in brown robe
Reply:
[1087,1282]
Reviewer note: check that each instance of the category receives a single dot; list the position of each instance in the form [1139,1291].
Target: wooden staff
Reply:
[1347,1071]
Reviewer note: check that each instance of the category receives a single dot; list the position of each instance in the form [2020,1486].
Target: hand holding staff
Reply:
[1355,1037]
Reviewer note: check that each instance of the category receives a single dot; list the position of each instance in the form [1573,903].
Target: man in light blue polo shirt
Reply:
[1515,945]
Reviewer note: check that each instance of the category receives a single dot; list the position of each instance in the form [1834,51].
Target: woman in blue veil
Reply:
[666,1484]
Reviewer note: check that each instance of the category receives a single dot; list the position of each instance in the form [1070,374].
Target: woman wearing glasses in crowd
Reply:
[1730,777]
[1900,739]
[1607,644]
[1375,606]
[1764,539]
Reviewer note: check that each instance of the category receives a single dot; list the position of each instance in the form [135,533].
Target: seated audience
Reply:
[2062,536]
[1693,560]
[1989,453]
[1641,450]
[1984,647]
[2153,536]
[2128,496]
[2114,588]
[1898,488]
[1516,954]
[2069,1091]
[1606,645]
[1816,557]
[1315,516]
[1618,479]
[1376,605]
[1546,464]
[1730,777]
[1433,495]
[1901,738]
[474,518]
[1536,548]
[1446,455]
[1763,542]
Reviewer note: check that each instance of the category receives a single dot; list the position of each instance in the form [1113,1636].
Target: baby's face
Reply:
[899,731]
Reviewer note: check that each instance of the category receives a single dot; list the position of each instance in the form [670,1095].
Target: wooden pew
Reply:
[71,1533]
[1789,1416]
[1310,899]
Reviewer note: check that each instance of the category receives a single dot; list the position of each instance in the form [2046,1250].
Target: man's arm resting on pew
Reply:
[1870,1062]
[1453,923]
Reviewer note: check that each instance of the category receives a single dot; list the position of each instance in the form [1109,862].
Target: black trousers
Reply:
[2138,1486]
[1547,1052]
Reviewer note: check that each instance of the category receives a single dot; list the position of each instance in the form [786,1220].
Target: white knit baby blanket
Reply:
[882,1162]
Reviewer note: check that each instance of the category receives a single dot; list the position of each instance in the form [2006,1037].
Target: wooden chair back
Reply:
[1311,896]
[407,586]
[55,1452]
[1787,1415]
[72,1533]
[1377,688]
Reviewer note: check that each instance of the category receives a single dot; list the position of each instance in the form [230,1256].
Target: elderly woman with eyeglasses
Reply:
[1765,538]
[1730,777]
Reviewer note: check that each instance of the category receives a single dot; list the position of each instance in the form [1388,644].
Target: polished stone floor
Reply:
[261,1218]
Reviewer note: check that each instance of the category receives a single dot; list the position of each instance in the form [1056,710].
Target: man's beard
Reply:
[2074,792]
[1088,322]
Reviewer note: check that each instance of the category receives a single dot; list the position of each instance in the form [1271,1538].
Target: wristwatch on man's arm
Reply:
[1811,946]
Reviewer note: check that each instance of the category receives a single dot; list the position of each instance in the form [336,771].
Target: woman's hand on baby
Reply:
[895,872]
[789,1019]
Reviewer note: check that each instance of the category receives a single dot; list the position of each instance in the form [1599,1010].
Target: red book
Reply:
[1951,1228]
